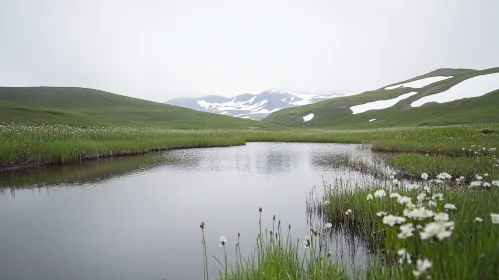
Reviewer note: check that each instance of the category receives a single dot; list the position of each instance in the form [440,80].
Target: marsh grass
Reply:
[27,145]
[277,255]
[414,164]
[469,253]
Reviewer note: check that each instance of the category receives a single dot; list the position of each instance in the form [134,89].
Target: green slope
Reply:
[335,113]
[89,107]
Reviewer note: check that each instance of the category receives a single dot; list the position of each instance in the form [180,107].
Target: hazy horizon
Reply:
[160,50]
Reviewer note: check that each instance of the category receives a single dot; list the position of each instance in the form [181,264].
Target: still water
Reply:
[138,217]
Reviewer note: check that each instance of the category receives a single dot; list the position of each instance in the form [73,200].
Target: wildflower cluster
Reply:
[424,214]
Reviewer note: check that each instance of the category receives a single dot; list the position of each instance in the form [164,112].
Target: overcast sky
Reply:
[158,50]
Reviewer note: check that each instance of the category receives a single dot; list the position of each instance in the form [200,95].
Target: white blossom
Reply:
[404,200]
[405,231]
[223,241]
[449,206]
[394,195]
[380,194]
[439,230]
[393,220]
[422,267]
[495,218]
[418,213]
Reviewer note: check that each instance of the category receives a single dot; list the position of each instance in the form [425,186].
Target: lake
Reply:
[138,217]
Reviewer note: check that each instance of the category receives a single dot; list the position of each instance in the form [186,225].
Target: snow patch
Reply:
[308,117]
[204,104]
[472,87]
[371,120]
[421,82]
[380,104]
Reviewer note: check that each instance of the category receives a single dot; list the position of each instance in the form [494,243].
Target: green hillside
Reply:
[89,107]
[336,113]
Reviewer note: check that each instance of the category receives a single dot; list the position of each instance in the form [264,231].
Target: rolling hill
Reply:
[441,97]
[251,106]
[90,107]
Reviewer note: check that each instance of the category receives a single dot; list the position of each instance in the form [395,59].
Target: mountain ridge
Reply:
[91,107]
[478,107]
[248,105]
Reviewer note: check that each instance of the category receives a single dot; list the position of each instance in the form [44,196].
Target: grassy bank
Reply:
[453,227]
[432,229]
[32,145]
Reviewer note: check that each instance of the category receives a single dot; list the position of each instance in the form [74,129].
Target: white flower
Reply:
[326,202]
[395,182]
[427,189]
[440,196]
[392,177]
[379,194]
[478,219]
[306,241]
[369,197]
[412,186]
[404,256]
[421,197]
[380,214]
[418,213]
[486,184]
[438,181]
[432,203]
[486,175]
[394,195]
[424,176]
[405,231]
[449,206]
[478,177]
[475,184]
[348,211]
[461,178]
[440,230]
[495,218]
[329,225]
[223,241]
[422,267]
[444,176]
[495,183]
[404,200]
[419,227]
[393,220]
[441,217]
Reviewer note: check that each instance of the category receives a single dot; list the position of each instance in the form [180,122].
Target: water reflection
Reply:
[138,217]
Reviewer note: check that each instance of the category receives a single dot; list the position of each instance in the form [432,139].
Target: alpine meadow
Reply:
[249,140]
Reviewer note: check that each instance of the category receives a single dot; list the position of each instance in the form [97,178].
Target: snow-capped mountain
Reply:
[251,106]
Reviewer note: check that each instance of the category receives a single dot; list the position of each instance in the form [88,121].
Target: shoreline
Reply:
[111,155]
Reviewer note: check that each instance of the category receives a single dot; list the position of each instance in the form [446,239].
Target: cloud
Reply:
[159,50]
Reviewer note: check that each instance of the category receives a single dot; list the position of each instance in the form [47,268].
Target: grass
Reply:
[336,114]
[467,166]
[438,216]
[89,107]
[277,256]
[448,237]
[469,253]
[33,145]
